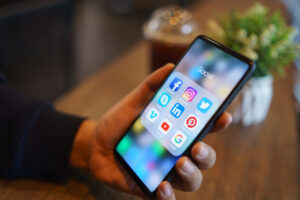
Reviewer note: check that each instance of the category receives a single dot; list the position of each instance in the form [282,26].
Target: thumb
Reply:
[139,97]
[126,110]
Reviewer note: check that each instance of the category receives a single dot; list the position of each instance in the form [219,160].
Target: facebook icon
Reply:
[175,84]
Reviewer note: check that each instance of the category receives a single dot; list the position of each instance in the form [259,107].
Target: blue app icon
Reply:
[175,84]
[177,110]
[204,105]
[164,99]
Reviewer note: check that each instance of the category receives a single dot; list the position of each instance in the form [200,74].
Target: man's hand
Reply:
[93,148]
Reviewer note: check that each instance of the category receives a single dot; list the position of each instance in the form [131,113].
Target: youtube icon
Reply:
[165,126]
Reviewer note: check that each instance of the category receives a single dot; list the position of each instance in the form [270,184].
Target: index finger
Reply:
[143,93]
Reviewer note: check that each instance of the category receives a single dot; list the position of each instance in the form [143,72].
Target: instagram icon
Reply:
[189,94]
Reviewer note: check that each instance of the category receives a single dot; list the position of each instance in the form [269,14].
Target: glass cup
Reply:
[169,31]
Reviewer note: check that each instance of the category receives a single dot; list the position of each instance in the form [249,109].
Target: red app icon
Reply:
[191,122]
[165,126]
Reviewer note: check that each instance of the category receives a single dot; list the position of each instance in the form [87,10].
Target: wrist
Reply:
[81,150]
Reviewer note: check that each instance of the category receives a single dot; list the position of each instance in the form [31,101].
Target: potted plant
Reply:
[268,40]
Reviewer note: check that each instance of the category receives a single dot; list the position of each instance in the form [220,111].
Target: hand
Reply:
[93,147]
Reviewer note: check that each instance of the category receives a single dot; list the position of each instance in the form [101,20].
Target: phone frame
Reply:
[209,124]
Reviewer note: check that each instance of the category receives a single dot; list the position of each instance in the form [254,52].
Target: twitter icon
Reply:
[204,105]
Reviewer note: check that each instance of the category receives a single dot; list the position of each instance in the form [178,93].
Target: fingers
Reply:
[189,177]
[154,80]
[127,109]
[143,93]
[223,122]
[204,155]
[165,191]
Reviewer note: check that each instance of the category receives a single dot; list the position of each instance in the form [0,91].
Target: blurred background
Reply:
[84,55]
[49,46]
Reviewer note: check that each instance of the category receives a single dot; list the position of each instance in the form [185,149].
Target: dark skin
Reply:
[93,148]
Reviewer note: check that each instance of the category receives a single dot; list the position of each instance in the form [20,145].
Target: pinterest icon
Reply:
[189,94]
[191,122]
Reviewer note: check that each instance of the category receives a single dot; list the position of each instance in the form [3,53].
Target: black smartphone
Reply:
[183,110]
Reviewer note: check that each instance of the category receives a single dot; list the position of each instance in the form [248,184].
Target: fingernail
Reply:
[230,119]
[166,191]
[170,64]
[187,167]
[203,152]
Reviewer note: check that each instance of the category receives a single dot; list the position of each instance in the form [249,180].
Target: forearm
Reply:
[35,140]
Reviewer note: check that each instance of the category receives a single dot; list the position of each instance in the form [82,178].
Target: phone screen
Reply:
[181,108]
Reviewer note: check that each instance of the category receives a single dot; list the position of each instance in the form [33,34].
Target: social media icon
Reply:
[177,110]
[164,99]
[204,105]
[191,122]
[178,139]
[175,84]
[152,115]
[165,126]
[189,94]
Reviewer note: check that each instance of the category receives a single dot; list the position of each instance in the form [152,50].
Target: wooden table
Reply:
[259,162]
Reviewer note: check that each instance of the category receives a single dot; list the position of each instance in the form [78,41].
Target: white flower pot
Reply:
[252,104]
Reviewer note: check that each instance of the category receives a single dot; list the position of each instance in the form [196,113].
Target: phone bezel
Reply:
[209,124]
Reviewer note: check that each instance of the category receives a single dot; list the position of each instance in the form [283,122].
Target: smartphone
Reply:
[183,111]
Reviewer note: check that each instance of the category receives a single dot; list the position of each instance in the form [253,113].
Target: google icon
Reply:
[178,139]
